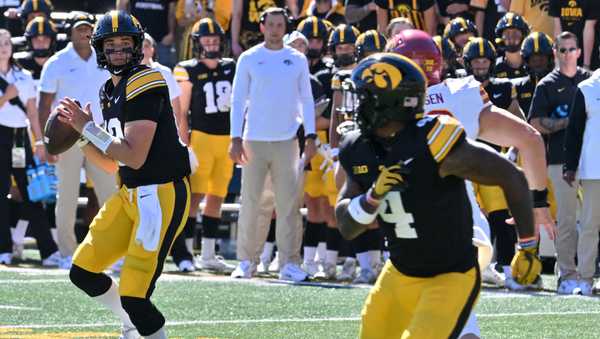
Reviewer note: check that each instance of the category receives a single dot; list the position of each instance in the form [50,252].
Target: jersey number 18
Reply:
[217,97]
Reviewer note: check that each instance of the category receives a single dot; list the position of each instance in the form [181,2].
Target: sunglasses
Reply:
[565,50]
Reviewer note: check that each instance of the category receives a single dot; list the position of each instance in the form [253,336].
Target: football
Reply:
[58,136]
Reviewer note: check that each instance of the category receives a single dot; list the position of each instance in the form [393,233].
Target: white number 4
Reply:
[397,215]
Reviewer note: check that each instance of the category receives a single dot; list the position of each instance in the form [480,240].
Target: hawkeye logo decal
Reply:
[382,75]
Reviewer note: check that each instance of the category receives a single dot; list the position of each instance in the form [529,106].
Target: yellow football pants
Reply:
[400,306]
[112,236]
[215,168]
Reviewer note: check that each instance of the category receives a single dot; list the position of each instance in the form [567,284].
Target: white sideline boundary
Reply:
[288,320]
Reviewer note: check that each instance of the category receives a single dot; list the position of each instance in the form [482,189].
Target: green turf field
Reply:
[36,303]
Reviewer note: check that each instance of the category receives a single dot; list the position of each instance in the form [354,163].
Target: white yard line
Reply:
[11,307]
[289,320]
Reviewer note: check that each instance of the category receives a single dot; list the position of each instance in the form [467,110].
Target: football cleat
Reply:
[129,333]
[512,285]
[186,266]
[329,272]
[490,276]
[53,260]
[348,270]
[312,268]
[365,276]
[215,263]
[274,265]
[583,288]
[66,263]
[567,286]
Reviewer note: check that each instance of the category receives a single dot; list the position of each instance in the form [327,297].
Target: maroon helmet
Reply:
[421,48]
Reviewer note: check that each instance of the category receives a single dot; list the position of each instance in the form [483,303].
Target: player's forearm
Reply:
[349,228]
[44,106]
[519,201]
[34,121]
[533,152]
[356,13]
[94,155]
[552,125]
[382,20]
[236,21]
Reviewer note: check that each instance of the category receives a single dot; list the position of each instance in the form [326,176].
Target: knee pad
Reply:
[93,284]
[143,314]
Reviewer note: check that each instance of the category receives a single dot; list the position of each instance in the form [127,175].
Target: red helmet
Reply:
[421,48]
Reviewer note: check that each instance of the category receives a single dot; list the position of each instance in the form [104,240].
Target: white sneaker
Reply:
[312,268]
[583,288]
[6,258]
[329,272]
[567,286]
[129,333]
[215,263]
[348,270]
[53,260]
[262,268]
[245,270]
[512,285]
[274,265]
[186,266]
[292,272]
[493,277]
[365,276]
[66,263]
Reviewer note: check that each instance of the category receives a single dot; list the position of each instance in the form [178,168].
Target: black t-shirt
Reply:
[142,94]
[14,26]
[443,5]
[368,22]
[501,92]
[211,94]
[504,70]
[90,6]
[319,66]
[153,16]
[574,13]
[404,8]
[252,10]
[429,225]
[552,98]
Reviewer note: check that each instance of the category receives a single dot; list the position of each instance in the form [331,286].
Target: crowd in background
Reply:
[530,58]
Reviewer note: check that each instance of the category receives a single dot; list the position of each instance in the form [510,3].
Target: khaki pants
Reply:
[587,247]
[566,240]
[280,160]
[68,169]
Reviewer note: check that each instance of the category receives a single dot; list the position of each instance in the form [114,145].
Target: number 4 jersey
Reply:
[211,94]
[428,226]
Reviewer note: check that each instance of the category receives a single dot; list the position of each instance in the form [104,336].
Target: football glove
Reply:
[389,179]
[526,265]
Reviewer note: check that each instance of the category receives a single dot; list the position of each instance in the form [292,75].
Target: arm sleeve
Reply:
[48,78]
[180,73]
[174,90]
[554,9]
[539,103]
[307,100]
[575,130]
[241,87]
[147,105]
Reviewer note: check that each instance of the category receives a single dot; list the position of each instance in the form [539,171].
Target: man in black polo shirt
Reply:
[549,114]
[578,17]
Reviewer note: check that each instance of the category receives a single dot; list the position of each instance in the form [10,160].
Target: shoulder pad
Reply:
[443,132]
[141,80]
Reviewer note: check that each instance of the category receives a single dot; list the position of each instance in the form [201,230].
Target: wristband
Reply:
[527,243]
[357,212]
[97,136]
[334,152]
[540,198]
[371,200]
[39,143]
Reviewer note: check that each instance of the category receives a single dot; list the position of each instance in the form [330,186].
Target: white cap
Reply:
[293,36]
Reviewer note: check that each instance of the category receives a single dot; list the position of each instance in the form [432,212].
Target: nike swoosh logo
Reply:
[227,71]
[117,99]
[561,89]
[408,161]
[72,69]
[496,96]
[143,196]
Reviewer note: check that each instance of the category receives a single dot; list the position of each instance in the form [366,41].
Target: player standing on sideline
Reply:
[139,140]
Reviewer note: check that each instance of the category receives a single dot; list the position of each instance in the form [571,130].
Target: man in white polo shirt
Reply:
[272,83]
[73,72]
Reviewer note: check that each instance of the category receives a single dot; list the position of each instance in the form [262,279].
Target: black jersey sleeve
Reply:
[146,92]
[443,133]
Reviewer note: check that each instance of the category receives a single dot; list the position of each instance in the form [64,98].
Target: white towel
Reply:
[148,232]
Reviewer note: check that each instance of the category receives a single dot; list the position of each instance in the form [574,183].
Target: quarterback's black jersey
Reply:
[211,94]
[429,225]
[504,70]
[28,63]
[142,94]
[501,92]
